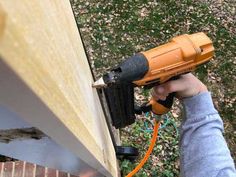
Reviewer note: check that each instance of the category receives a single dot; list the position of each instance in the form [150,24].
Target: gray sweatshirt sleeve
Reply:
[204,152]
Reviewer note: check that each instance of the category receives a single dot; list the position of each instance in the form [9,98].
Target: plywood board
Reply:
[40,44]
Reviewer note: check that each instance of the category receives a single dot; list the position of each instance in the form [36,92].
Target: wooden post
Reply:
[51,87]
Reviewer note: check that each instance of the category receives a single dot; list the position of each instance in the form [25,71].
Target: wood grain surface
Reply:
[41,45]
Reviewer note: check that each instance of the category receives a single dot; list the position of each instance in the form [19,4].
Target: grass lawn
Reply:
[114,29]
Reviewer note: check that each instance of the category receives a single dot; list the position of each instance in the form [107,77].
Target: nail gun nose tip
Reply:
[99,83]
[94,86]
[97,86]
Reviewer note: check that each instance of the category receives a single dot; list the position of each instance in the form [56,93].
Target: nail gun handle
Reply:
[162,107]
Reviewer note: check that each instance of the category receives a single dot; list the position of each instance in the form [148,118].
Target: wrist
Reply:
[192,91]
[199,105]
[202,89]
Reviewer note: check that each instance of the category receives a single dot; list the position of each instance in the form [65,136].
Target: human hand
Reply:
[186,86]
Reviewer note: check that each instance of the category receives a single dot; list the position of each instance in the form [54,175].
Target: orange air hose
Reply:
[149,151]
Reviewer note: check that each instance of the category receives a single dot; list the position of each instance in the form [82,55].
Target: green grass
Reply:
[165,151]
[114,30]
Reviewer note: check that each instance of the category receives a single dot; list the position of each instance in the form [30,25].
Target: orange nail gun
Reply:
[181,55]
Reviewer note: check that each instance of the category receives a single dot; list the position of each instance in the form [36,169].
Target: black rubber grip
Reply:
[169,100]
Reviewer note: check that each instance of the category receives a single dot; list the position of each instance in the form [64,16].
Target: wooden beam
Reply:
[52,89]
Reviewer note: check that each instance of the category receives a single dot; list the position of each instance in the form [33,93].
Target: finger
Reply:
[160,90]
[157,96]
[174,86]
[154,94]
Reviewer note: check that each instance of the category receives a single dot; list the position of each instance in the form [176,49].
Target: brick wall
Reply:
[25,169]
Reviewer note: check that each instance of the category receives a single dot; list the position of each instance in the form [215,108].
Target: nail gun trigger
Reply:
[142,109]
